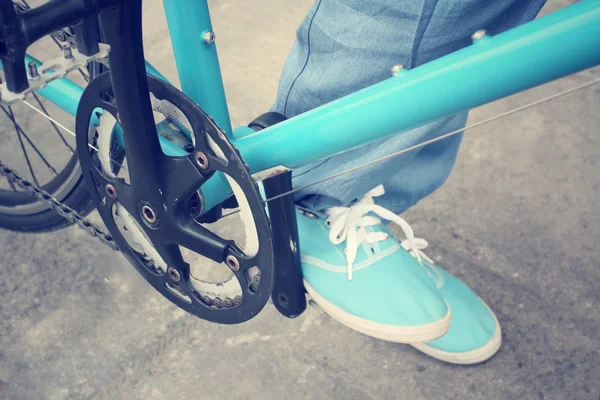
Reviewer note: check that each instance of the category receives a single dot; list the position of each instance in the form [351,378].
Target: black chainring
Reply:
[174,225]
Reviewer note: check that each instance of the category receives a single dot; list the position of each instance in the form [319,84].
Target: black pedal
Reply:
[288,290]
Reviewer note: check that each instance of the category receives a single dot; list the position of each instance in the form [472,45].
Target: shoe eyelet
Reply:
[328,223]
[307,214]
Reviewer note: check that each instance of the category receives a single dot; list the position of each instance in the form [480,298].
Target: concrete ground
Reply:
[517,220]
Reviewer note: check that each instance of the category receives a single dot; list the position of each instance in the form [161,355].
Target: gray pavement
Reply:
[517,220]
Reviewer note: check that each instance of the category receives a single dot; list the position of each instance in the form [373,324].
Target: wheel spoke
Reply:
[12,185]
[37,99]
[11,115]
[22,145]
[67,130]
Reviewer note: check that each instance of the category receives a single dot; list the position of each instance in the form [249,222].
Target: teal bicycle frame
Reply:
[540,51]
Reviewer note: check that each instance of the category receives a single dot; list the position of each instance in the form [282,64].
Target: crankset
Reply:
[154,227]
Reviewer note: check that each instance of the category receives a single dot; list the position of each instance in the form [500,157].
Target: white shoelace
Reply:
[416,249]
[350,223]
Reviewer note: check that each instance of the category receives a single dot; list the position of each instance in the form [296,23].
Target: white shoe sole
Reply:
[479,355]
[390,333]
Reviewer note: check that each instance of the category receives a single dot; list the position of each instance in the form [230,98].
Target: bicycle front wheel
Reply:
[37,141]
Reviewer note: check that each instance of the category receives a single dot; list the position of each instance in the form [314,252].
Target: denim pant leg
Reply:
[345,45]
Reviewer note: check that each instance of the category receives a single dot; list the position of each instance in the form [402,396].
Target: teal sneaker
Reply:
[358,273]
[475,334]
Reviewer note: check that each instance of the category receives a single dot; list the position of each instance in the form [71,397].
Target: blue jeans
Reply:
[345,45]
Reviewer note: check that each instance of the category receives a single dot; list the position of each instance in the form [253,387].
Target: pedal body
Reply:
[288,290]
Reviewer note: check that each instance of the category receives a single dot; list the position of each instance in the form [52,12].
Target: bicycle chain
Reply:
[60,208]
[66,35]
[217,302]
[104,237]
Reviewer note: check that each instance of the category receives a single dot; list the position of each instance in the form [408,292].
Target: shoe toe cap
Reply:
[473,323]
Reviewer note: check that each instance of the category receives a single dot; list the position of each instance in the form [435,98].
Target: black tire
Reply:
[20,211]
[48,220]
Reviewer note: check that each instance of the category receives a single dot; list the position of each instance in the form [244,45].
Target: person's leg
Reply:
[352,266]
[345,45]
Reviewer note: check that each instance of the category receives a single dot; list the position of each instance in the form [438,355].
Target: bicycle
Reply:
[154,194]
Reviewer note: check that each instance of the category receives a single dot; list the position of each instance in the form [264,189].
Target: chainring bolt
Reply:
[201,160]
[111,191]
[232,263]
[173,274]
[148,214]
